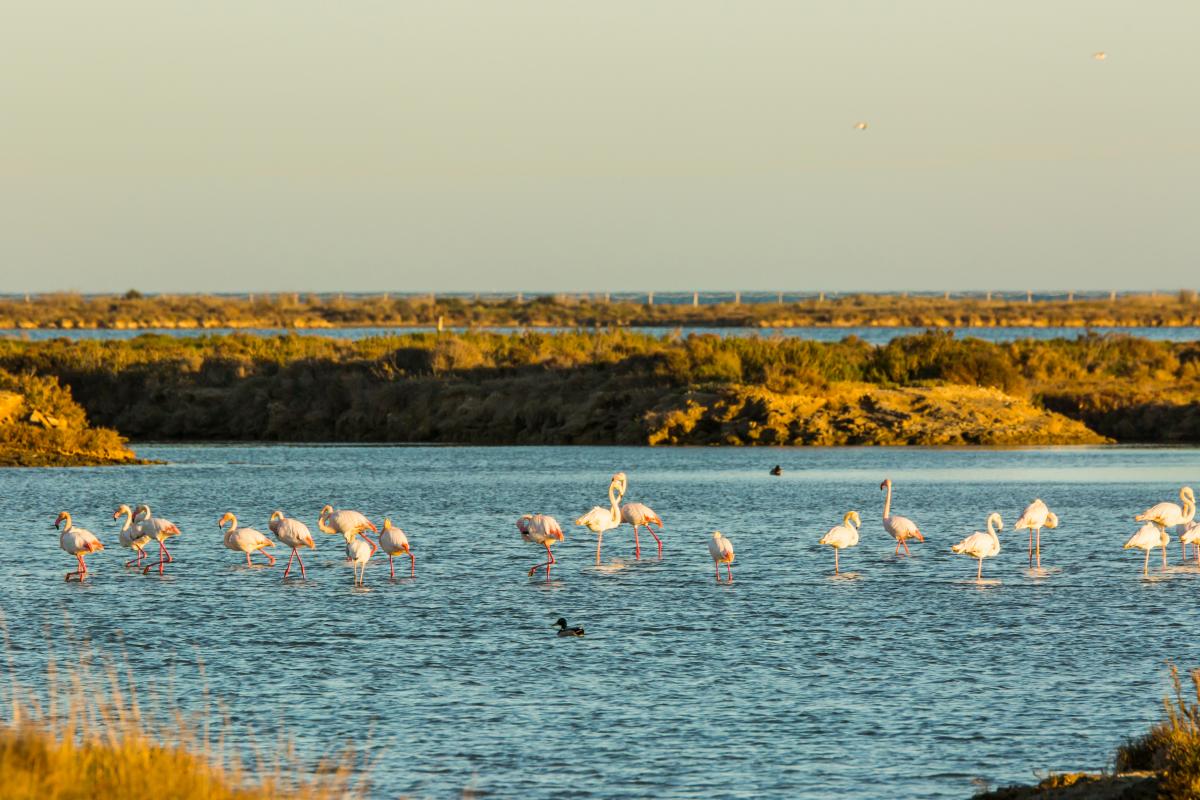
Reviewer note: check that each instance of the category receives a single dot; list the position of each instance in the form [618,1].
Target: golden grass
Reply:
[84,735]
[1171,747]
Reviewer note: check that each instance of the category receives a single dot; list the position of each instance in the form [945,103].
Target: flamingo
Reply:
[900,528]
[639,514]
[132,536]
[544,530]
[359,552]
[395,543]
[721,550]
[844,535]
[600,519]
[78,542]
[1148,537]
[294,534]
[1166,514]
[245,540]
[345,521]
[981,545]
[1035,517]
[159,530]
[1191,535]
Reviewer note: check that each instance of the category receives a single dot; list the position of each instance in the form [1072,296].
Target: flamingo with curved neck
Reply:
[245,540]
[132,536]
[78,542]
[600,519]
[982,545]
[900,528]
[294,534]
[844,535]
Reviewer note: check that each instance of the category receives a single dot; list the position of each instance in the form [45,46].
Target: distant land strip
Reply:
[622,387]
[291,310]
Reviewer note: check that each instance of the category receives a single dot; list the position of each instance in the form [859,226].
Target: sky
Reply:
[614,145]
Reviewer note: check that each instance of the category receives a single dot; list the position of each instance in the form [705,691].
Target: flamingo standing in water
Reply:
[345,521]
[1035,517]
[294,534]
[981,545]
[721,550]
[1167,514]
[900,528]
[159,530]
[601,519]
[78,542]
[359,552]
[132,536]
[1148,537]
[544,530]
[393,542]
[640,515]
[245,540]
[844,535]
[1191,535]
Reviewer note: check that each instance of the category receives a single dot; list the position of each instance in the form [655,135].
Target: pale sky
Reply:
[605,145]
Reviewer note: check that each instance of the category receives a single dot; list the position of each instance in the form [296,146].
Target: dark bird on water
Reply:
[776,470]
[563,630]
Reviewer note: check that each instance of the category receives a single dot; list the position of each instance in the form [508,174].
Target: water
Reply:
[903,680]
[873,335]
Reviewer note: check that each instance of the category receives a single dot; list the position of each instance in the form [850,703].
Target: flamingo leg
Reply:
[656,539]
[163,548]
[391,566]
[248,564]
[270,558]
[599,542]
[1164,552]
[79,570]
[136,562]
[1031,547]
[1146,563]
[1039,548]
[907,552]
[161,551]
[979,571]
[897,547]
[288,568]
[637,545]
[301,560]
[717,566]
[412,565]
[728,572]
[549,562]
[1183,550]
[836,570]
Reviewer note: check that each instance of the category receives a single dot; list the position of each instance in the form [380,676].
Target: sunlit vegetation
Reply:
[624,387]
[41,425]
[293,310]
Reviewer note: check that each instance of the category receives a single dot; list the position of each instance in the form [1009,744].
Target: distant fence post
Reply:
[737,298]
[1112,296]
[1070,297]
[821,297]
[695,299]
[649,298]
[1028,296]
[989,296]
[780,299]
[520,298]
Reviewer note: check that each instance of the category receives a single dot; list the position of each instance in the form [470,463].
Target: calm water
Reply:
[881,335]
[903,680]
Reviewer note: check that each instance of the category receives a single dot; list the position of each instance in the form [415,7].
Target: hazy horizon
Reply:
[679,145]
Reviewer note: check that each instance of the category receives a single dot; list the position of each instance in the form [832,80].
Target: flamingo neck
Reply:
[887,503]
[991,526]
[323,526]
[614,500]
[128,521]
[67,524]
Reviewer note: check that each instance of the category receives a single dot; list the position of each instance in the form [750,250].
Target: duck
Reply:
[563,630]
[777,470]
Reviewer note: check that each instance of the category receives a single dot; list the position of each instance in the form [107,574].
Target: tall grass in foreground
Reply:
[85,734]
[1171,747]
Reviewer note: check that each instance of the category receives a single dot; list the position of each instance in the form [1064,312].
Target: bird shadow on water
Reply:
[845,576]
[1042,572]
[980,583]
[608,568]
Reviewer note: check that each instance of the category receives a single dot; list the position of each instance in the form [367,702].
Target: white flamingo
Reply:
[841,536]
[1148,537]
[544,530]
[159,530]
[721,550]
[981,545]
[393,542]
[900,528]
[343,521]
[294,534]
[1168,514]
[78,542]
[1191,535]
[359,552]
[1035,517]
[600,519]
[132,536]
[245,540]
[640,515]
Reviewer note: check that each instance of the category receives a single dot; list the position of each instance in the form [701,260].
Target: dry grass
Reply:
[85,733]
[1172,746]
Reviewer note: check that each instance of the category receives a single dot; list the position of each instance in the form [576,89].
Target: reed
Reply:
[86,733]
[1171,748]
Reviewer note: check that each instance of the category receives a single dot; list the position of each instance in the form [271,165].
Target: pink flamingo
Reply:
[393,542]
[544,530]
[78,542]
[721,550]
[900,528]
[639,515]
[159,530]
[345,521]
[294,534]
[245,540]
[132,536]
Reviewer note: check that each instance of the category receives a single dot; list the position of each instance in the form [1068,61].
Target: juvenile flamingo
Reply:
[393,542]
[78,542]
[600,519]
[245,540]
[1035,517]
[359,552]
[544,530]
[294,534]
[1167,514]
[844,535]
[345,521]
[1148,537]
[900,528]
[981,545]
[132,536]
[721,550]
[639,515]
[159,530]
